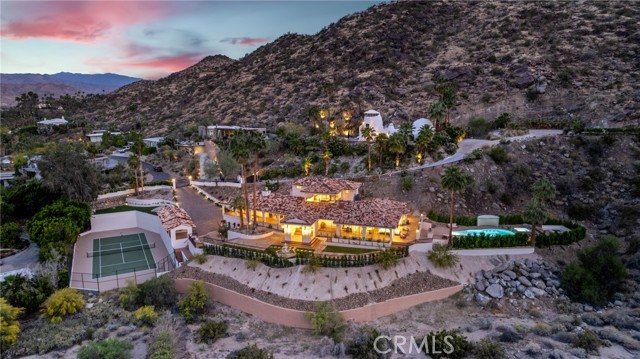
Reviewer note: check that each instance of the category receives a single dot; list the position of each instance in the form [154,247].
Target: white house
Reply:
[96,135]
[153,141]
[372,118]
[53,122]
[419,123]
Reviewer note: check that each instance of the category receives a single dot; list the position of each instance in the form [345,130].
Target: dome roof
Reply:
[417,125]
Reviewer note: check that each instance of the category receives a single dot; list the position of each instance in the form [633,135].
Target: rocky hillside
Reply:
[550,59]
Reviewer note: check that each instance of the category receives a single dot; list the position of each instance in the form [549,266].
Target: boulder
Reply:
[480,287]
[539,283]
[511,274]
[524,281]
[481,299]
[495,290]
[537,291]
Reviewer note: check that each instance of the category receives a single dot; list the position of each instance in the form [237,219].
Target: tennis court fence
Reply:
[86,281]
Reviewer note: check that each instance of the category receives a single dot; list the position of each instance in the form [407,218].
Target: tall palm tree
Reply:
[326,156]
[257,144]
[398,146]
[368,133]
[132,162]
[437,112]
[381,142]
[240,150]
[447,95]
[454,181]
[425,134]
[536,213]
[238,203]
[306,165]
[406,131]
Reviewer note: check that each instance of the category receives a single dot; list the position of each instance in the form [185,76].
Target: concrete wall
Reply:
[216,184]
[114,221]
[149,202]
[295,318]
[494,251]
[236,235]
[130,192]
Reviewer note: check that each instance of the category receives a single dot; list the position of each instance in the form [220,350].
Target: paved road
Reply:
[205,214]
[156,176]
[22,260]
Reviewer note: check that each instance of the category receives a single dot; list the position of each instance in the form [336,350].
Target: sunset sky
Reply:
[148,39]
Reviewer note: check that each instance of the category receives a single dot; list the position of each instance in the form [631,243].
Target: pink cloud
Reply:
[247,41]
[77,21]
[149,68]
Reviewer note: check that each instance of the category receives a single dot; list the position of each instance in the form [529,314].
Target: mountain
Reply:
[62,83]
[532,60]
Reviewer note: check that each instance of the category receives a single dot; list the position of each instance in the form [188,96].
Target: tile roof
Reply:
[369,212]
[324,185]
[172,217]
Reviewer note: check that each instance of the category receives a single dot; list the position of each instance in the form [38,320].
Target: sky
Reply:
[149,39]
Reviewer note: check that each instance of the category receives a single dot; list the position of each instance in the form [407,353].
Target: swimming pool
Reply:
[492,232]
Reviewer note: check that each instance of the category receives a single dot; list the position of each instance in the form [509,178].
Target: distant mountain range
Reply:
[62,83]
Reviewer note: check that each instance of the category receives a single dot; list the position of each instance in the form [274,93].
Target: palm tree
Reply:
[368,133]
[425,134]
[240,150]
[406,131]
[447,96]
[454,181]
[306,165]
[313,113]
[437,112]
[326,156]
[536,213]
[132,161]
[381,141]
[398,146]
[256,144]
[238,203]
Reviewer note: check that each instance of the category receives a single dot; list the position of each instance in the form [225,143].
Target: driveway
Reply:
[205,214]
[19,262]
[156,176]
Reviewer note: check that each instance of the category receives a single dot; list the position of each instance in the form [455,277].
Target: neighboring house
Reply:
[153,141]
[53,122]
[6,177]
[217,132]
[372,118]
[104,163]
[327,208]
[31,169]
[96,136]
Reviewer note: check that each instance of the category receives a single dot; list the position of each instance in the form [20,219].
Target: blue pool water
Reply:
[487,232]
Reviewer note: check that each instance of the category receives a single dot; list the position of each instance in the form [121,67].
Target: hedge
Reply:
[576,231]
[269,257]
[486,241]
[159,183]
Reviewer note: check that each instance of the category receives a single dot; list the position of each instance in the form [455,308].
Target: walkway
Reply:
[205,214]
[21,261]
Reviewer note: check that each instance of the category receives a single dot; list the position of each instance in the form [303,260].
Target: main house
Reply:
[327,208]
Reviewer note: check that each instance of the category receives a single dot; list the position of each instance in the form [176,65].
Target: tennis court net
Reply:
[105,252]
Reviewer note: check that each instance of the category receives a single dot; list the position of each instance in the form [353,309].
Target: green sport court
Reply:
[122,254]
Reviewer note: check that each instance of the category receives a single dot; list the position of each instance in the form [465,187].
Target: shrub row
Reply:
[575,233]
[159,183]
[487,241]
[303,257]
[617,130]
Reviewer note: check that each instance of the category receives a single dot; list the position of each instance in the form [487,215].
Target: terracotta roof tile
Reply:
[324,185]
[172,217]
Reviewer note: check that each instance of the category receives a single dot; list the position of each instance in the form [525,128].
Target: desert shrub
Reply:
[442,256]
[251,351]
[588,341]
[447,344]
[128,298]
[200,258]
[502,121]
[194,303]
[9,325]
[474,155]
[62,303]
[326,320]
[499,154]
[211,330]
[163,339]
[159,292]
[26,293]
[312,266]
[489,349]
[363,347]
[106,349]
[387,259]
[597,274]
[581,212]
[406,183]
[478,127]
[146,315]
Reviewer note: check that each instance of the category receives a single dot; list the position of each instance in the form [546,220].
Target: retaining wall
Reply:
[295,318]
[216,184]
